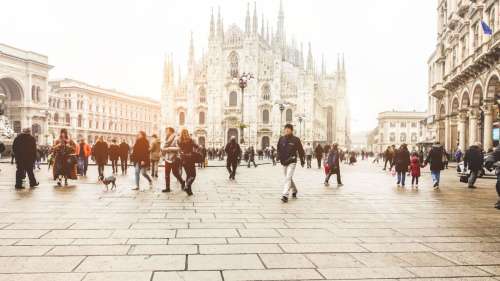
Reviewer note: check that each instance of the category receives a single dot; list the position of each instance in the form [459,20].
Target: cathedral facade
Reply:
[282,87]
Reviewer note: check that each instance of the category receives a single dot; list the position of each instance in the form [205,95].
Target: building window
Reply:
[266,92]
[414,137]
[80,121]
[403,125]
[203,95]
[265,116]
[392,124]
[233,65]
[68,119]
[56,117]
[233,99]
[182,118]
[402,137]
[464,47]
[288,115]
[392,137]
[413,124]
[201,118]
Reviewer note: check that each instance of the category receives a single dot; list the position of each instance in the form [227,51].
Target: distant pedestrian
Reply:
[474,160]
[435,159]
[140,158]
[114,155]
[124,153]
[251,157]
[233,152]
[83,151]
[24,148]
[333,162]
[318,152]
[288,148]
[402,162]
[155,151]
[65,161]
[309,154]
[187,151]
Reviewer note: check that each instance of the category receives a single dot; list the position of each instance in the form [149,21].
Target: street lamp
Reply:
[301,118]
[243,83]
[281,105]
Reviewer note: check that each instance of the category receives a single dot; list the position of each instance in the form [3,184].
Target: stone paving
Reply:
[367,229]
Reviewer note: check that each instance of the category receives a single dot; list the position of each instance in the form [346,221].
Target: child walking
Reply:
[415,169]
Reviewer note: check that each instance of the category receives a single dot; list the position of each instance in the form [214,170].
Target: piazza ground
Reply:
[367,229]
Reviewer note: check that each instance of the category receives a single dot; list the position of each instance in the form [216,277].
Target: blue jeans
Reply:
[436,175]
[140,171]
[401,178]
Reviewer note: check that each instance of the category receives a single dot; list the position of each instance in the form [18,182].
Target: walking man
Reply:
[473,159]
[172,161]
[319,154]
[100,153]
[83,152]
[124,152]
[24,148]
[233,151]
[251,157]
[114,154]
[435,158]
[288,147]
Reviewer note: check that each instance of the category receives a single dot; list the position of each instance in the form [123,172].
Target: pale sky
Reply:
[121,44]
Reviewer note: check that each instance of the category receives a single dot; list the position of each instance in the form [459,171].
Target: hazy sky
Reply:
[121,44]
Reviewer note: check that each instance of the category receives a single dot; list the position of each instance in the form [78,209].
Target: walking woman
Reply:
[333,160]
[172,161]
[187,148]
[402,162]
[100,153]
[65,159]
[141,160]
[414,169]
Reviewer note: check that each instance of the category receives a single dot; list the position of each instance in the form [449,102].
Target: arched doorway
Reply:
[264,142]
[232,132]
[11,93]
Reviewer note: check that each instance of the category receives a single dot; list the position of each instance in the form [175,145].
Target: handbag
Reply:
[464,178]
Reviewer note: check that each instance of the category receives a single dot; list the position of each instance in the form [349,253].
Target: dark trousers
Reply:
[319,162]
[387,160]
[251,161]
[334,171]
[100,170]
[190,169]
[308,160]
[124,164]
[498,185]
[83,164]
[114,166]
[414,180]
[174,168]
[21,174]
[231,166]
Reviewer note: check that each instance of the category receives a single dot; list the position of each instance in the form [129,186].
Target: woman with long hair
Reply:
[65,159]
[141,160]
[187,148]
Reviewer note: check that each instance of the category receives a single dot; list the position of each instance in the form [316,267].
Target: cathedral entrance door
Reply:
[232,132]
[264,142]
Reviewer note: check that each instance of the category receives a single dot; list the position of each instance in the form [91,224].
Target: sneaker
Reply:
[436,184]
[340,184]
[416,186]
[150,185]
[284,199]
[189,191]
[471,187]
[436,187]
[35,185]
[294,195]
[166,190]
[135,188]
[19,187]
[327,184]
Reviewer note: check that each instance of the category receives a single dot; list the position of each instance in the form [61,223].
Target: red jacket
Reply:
[86,150]
[415,166]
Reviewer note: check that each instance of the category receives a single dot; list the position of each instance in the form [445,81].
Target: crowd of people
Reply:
[180,154]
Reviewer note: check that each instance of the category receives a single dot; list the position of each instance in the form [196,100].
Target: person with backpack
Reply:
[288,148]
[435,159]
[233,152]
[333,162]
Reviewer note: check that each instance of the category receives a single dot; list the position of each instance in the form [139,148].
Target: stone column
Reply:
[473,118]
[462,118]
[447,135]
[488,125]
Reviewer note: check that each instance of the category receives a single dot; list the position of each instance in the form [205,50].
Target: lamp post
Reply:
[243,83]
[281,105]
[301,118]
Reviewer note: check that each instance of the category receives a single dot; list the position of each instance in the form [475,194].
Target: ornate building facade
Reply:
[464,74]
[88,112]
[283,89]
[24,86]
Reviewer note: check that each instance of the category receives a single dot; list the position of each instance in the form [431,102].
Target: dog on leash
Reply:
[109,180]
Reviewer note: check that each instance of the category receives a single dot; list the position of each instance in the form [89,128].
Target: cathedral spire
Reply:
[191,54]
[219,24]
[247,20]
[301,58]
[212,25]
[180,76]
[338,64]
[280,33]
[323,65]
[267,32]
[310,63]
[262,26]
[255,20]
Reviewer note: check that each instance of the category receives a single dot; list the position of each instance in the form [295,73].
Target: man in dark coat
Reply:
[318,152]
[233,152]
[474,160]
[100,153]
[288,148]
[435,158]
[333,160]
[24,148]
[124,152]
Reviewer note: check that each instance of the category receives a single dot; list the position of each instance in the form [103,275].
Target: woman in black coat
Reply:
[402,162]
